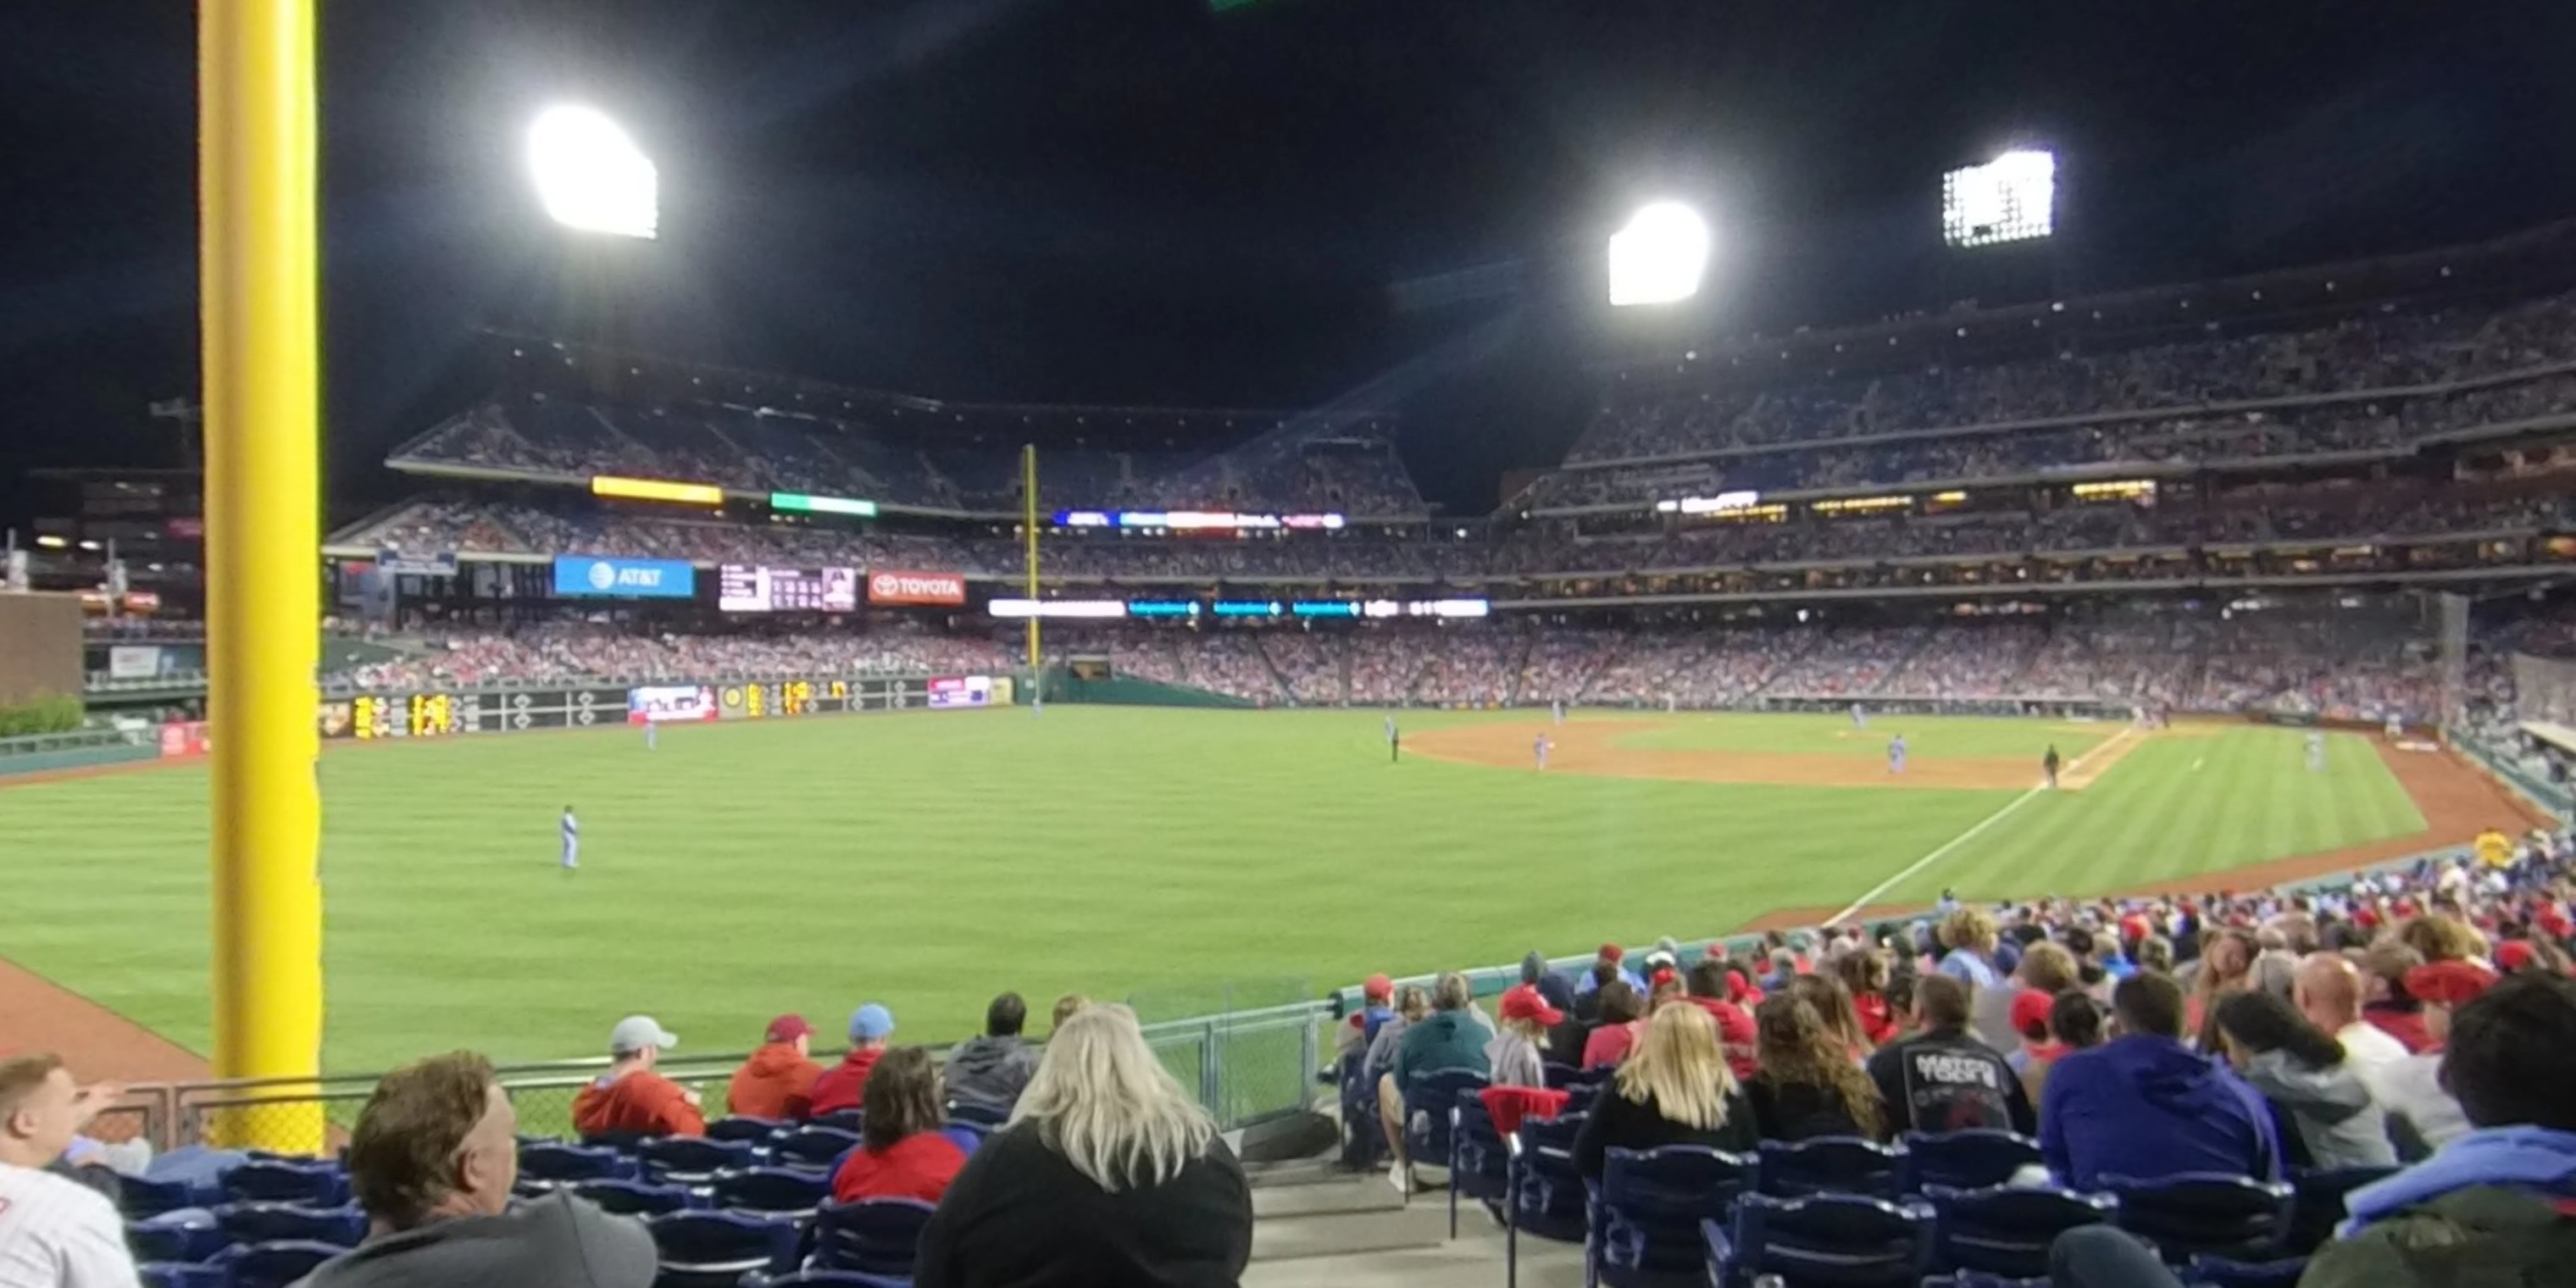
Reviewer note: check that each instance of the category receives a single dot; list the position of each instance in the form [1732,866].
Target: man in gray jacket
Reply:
[991,1071]
[432,1160]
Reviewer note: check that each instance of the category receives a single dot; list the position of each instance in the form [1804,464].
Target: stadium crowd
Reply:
[2384,1029]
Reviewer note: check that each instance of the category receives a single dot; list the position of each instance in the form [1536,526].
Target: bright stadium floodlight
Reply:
[591,176]
[1659,256]
[2011,198]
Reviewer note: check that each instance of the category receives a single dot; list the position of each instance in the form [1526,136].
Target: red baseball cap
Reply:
[2512,955]
[1522,1002]
[1614,952]
[788,1028]
[2030,1009]
[1378,986]
[2449,983]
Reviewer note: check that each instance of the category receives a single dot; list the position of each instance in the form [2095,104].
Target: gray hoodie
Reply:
[2331,1108]
[991,1071]
[554,1242]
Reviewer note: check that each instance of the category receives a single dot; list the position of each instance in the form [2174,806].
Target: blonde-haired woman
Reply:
[1673,1090]
[1108,1173]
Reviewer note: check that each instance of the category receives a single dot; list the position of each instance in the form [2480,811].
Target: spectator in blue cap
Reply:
[844,1085]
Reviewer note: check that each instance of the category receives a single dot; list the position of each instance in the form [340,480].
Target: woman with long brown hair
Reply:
[2226,966]
[1833,1003]
[901,1153]
[1866,974]
[1808,1085]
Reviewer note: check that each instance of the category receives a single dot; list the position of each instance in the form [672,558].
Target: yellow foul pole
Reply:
[1029,529]
[258,285]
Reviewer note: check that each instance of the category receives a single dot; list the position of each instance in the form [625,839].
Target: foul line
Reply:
[1962,838]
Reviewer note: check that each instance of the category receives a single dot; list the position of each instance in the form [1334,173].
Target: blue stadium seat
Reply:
[2004,1231]
[744,1127]
[716,1249]
[978,1113]
[845,1119]
[290,1222]
[813,1147]
[1426,1112]
[2219,1272]
[179,1274]
[873,1236]
[774,1191]
[1480,1164]
[313,1184]
[1973,1279]
[1841,1240]
[543,1167]
[1831,1165]
[1363,1140]
[180,1241]
[1647,1207]
[1970,1159]
[2317,1204]
[272,1265]
[823,1279]
[635,1198]
[623,1142]
[2205,1214]
[692,1160]
[1561,1076]
[140,1197]
[1548,1198]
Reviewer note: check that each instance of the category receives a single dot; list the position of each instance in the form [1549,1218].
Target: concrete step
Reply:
[1344,1192]
[1422,1224]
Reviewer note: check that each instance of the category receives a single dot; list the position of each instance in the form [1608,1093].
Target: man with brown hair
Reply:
[432,1160]
[1943,1078]
[53,1231]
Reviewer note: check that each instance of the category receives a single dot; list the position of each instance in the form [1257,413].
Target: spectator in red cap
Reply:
[1617,957]
[1515,1053]
[1377,1006]
[2412,1088]
[778,1080]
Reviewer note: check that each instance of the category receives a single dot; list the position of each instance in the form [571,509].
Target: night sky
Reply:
[1136,201]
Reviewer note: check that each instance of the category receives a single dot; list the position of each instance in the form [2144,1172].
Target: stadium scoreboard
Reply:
[2012,198]
[743,588]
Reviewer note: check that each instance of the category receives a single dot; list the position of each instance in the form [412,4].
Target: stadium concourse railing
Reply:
[1246,1066]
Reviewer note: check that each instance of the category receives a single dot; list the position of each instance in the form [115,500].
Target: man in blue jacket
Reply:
[2145,1106]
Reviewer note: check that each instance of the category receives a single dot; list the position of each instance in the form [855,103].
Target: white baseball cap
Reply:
[636,1032]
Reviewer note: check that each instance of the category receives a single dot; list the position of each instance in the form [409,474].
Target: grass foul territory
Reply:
[930,859]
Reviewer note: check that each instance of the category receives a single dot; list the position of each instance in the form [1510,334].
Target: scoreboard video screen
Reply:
[744,588]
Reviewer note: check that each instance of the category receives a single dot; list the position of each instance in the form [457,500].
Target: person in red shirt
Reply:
[1735,1032]
[1619,1028]
[1865,972]
[778,1080]
[844,1085]
[2385,1001]
[902,1154]
[631,1097]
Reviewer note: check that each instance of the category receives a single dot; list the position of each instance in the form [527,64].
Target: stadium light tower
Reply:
[1659,257]
[591,176]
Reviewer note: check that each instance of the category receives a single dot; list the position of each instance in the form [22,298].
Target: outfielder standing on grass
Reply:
[2048,765]
[1394,742]
[571,841]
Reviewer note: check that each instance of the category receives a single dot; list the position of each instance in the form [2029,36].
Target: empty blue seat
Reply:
[844,1119]
[2317,1204]
[140,1197]
[813,1147]
[194,1239]
[1558,1077]
[692,1160]
[1363,1141]
[777,1191]
[745,1127]
[543,1167]
[1836,1240]
[1427,1099]
[290,1222]
[623,1142]
[1969,1159]
[2005,1231]
[1830,1164]
[179,1274]
[2205,1214]
[272,1265]
[313,1184]
[872,1236]
[635,1198]
[1480,1164]
[823,1279]
[1647,1207]
[716,1249]
[2219,1272]
[1548,1197]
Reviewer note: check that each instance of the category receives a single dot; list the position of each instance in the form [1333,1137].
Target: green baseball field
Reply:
[929,859]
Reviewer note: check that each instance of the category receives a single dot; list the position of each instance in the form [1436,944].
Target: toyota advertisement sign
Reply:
[929,589]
